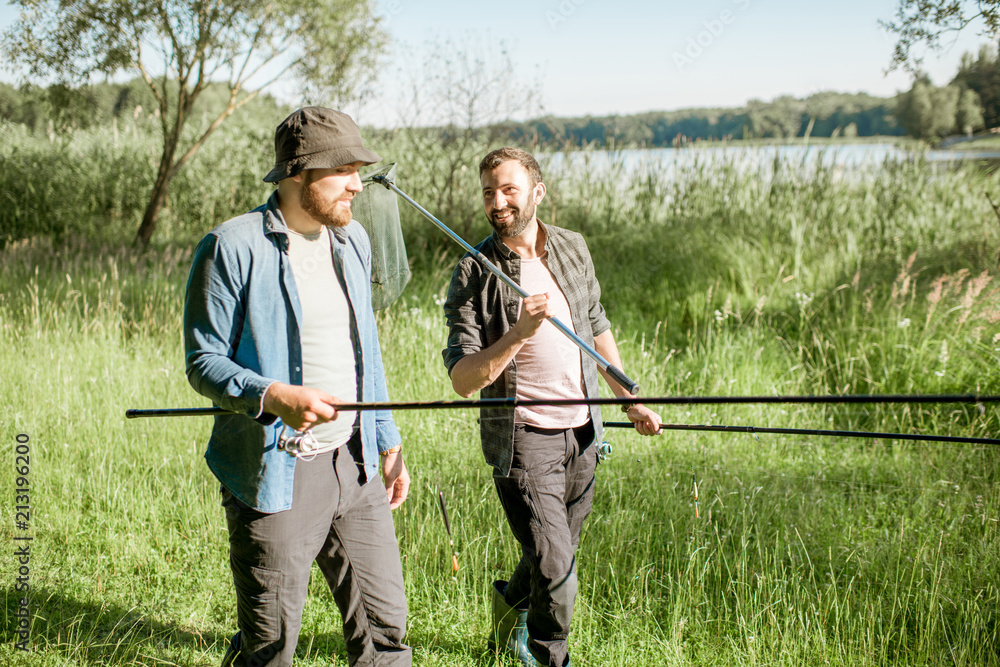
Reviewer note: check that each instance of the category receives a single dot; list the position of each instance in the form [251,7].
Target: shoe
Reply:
[510,628]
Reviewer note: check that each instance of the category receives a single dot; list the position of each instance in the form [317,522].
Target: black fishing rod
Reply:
[662,400]
[654,400]
[615,372]
[753,430]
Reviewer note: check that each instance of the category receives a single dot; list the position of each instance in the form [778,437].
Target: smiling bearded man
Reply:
[542,458]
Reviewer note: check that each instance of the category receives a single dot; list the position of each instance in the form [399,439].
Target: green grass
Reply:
[805,550]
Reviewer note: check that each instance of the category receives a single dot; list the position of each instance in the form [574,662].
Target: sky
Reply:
[601,57]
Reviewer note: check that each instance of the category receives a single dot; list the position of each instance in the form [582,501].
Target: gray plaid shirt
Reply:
[480,308]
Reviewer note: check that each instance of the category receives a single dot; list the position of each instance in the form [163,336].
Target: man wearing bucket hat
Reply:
[279,329]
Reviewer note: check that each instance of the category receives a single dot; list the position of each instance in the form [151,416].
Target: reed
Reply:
[718,279]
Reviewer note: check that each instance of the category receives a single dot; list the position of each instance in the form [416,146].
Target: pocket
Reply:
[579,506]
[236,508]
[520,503]
[258,604]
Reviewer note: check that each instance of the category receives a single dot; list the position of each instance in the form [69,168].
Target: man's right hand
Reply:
[474,371]
[301,408]
[535,309]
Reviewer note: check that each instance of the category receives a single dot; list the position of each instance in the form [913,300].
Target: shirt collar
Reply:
[342,233]
[274,222]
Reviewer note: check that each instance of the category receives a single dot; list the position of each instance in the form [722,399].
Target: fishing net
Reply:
[378,212]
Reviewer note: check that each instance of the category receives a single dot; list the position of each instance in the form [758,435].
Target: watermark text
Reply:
[713,29]
[22,540]
[562,12]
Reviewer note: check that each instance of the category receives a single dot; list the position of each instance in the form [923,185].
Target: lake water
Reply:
[844,159]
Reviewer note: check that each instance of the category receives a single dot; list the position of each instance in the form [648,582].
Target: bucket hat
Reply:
[316,138]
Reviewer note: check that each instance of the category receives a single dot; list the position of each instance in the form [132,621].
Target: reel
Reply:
[604,451]
[297,443]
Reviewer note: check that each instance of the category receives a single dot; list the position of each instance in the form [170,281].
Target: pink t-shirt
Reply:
[548,365]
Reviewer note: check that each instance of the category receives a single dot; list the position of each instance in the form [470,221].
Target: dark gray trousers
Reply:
[346,528]
[546,497]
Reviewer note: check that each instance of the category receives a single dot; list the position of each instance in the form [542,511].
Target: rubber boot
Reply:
[232,651]
[569,663]
[510,627]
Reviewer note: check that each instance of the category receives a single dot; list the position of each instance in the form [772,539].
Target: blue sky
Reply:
[625,56]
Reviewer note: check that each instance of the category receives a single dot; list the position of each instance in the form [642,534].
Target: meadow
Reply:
[718,281]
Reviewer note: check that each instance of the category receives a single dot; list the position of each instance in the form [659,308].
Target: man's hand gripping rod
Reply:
[603,363]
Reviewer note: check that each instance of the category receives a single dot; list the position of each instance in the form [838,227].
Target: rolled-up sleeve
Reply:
[214,315]
[465,325]
[599,322]
[386,433]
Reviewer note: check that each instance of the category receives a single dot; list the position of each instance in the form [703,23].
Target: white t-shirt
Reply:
[549,365]
[328,361]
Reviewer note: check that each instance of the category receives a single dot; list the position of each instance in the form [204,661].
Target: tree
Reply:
[969,115]
[179,47]
[929,112]
[782,118]
[456,106]
[914,107]
[982,75]
[927,21]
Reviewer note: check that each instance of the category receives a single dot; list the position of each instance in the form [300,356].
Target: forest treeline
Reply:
[826,114]
[968,103]
[60,108]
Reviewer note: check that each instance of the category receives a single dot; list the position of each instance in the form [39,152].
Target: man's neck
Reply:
[530,243]
[295,218]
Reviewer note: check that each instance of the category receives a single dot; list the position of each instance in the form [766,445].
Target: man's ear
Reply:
[539,192]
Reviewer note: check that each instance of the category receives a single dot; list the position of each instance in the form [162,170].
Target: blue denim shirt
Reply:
[242,320]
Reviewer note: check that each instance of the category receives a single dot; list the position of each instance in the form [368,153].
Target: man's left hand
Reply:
[646,421]
[396,478]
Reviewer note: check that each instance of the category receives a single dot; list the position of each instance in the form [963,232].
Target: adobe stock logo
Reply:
[706,38]
[565,10]
[394,9]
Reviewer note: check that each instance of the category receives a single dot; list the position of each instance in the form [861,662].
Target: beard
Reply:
[518,222]
[323,210]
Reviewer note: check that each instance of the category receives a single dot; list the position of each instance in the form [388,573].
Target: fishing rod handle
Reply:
[134,413]
[622,379]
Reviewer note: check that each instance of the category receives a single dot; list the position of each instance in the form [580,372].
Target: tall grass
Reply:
[804,550]
[96,183]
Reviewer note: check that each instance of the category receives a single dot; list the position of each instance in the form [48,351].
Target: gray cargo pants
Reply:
[346,528]
[546,497]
